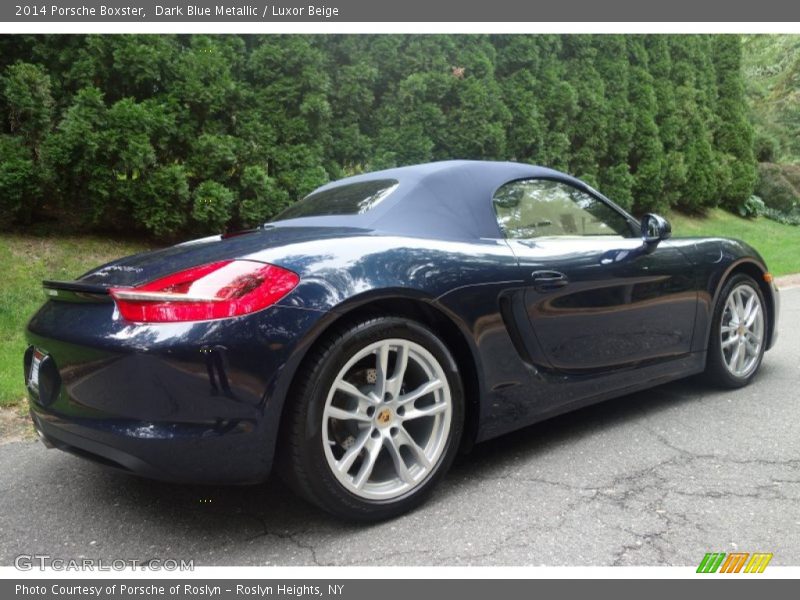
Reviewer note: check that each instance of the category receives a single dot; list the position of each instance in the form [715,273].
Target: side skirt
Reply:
[520,406]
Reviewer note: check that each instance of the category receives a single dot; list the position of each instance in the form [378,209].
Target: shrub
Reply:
[260,197]
[17,181]
[752,207]
[766,147]
[792,174]
[160,205]
[183,134]
[211,206]
[27,91]
[212,156]
[781,217]
[775,188]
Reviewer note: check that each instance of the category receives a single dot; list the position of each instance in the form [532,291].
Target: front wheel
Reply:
[738,333]
[376,419]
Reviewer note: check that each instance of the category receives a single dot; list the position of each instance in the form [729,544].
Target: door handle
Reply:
[549,280]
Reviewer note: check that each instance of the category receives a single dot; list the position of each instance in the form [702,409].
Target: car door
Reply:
[596,298]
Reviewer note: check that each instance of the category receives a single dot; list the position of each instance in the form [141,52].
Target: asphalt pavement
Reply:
[655,478]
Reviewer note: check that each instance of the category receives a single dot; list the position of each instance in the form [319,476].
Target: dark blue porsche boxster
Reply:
[382,323]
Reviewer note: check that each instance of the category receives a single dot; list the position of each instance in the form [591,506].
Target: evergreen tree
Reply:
[694,137]
[668,121]
[476,118]
[416,99]
[615,179]
[18,181]
[354,76]
[733,137]
[28,102]
[646,154]
[290,91]
[180,134]
[75,156]
[588,128]
[518,66]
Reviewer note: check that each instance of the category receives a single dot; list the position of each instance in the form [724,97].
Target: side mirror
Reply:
[654,229]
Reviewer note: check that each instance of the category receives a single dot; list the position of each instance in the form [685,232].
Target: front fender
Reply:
[716,260]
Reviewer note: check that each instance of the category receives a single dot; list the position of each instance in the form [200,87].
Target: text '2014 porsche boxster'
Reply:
[379,325]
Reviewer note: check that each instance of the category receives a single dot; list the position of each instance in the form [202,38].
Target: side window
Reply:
[540,207]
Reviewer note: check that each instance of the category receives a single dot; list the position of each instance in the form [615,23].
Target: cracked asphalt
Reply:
[655,478]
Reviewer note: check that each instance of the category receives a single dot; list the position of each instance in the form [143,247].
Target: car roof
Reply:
[448,199]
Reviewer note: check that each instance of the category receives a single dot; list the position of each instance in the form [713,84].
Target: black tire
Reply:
[716,371]
[302,459]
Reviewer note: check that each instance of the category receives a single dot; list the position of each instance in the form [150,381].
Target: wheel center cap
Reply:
[740,330]
[384,417]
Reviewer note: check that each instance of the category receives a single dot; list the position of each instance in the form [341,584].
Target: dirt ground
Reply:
[15,425]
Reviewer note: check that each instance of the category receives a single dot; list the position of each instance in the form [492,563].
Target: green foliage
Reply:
[213,156]
[694,92]
[733,134]
[74,152]
[17,179]
[518,62]
[752,207]
[615,177]
[29,102]
[171,135]
[646,152]
[211,204]
[792,218]
[162,201]
[588,128]
[771,68]
[765,147]
[261,198]
[777,186]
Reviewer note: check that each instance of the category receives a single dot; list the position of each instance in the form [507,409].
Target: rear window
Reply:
[351,199]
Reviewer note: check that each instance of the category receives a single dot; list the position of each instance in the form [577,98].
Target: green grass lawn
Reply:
[26,260]
[778,244]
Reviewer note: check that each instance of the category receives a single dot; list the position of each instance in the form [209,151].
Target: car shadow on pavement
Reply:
[541,436]
[219,513]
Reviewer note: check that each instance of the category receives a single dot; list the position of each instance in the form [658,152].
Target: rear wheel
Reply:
[738,333]
[376,419]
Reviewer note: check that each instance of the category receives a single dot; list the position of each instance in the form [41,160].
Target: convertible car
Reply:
[382,324]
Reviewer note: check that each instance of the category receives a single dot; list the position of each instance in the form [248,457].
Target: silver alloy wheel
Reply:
[387,419]
[741,333]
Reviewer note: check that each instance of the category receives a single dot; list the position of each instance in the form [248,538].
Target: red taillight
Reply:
[214,291]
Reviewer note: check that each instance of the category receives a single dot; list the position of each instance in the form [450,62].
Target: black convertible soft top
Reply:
[449,199]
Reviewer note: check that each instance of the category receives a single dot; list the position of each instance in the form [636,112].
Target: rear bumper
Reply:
[186,403]
[194,457]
